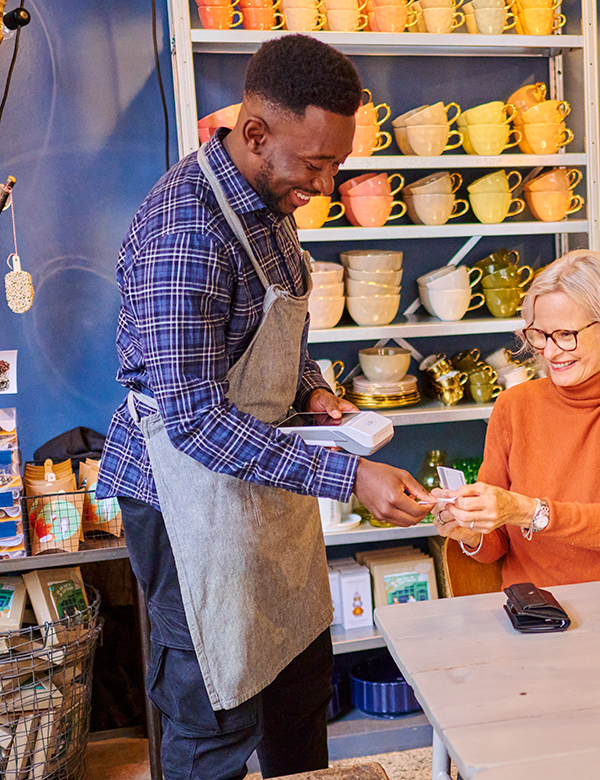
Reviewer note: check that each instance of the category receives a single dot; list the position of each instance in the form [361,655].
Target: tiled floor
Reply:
[127,759]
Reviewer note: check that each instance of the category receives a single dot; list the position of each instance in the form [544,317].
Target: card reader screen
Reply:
[309,419]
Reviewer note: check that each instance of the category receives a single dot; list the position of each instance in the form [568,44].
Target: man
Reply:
[219,507]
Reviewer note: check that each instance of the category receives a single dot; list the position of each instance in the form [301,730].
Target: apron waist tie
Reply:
[146,399]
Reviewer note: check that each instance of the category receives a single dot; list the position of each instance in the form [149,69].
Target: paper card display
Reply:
[8,371]
[8,427]
[397,582]
[12,603]
[55,522]
[98,514]
[55,593]
[21,750]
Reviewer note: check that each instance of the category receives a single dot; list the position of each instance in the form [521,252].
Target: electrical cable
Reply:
[12,66]
[160,84]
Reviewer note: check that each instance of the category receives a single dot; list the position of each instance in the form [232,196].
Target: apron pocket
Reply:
[176,687]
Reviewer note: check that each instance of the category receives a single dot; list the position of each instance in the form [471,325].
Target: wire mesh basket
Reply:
[45,695]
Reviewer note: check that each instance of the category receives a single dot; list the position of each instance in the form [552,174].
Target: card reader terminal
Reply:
[361,433]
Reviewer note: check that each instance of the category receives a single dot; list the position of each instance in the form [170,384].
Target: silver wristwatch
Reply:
[539,521]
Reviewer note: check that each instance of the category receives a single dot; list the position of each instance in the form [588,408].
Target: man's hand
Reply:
[327,403]
[382,489]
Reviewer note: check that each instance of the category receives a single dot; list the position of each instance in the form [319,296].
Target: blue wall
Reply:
[83,134]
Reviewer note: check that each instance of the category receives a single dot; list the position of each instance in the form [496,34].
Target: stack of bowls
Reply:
[486,128]
[550,196]
[446,293]
[489,17]
[326,301]
[441,16]
[224,117]
[431,200]
[543,128]
[538,17]
[491,197]
[384,381]
[373,285]
[369,199]
[425,131]
[391,15]
[303,15]
[219,14]
[368,137]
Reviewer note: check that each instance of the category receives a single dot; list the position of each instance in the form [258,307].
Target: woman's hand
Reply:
[481,508]
[448,527]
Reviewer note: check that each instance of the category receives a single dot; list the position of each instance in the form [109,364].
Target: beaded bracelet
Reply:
[471,552]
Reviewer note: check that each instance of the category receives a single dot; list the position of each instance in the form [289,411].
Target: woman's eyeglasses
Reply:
[564,339]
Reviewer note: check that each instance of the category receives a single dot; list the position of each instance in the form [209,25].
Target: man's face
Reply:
[300,157]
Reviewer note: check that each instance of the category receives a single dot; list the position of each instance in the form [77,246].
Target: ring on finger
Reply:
[471,526]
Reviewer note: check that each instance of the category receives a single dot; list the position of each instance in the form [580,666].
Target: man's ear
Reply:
[255,133]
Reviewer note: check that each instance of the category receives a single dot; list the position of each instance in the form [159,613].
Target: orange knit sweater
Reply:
[543,441]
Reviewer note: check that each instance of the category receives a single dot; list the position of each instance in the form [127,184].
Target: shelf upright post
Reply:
[184,84]
[589,24]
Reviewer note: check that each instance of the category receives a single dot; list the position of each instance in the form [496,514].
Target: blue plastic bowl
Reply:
[378,688]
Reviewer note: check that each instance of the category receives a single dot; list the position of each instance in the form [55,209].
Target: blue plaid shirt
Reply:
[190,305]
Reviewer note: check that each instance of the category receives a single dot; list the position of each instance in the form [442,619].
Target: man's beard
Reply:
[262,185]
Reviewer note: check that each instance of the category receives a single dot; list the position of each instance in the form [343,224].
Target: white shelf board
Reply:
[367,533]
[451,161]
[413,326]
[356,639]
[449,230]
[430,412]
[370,43]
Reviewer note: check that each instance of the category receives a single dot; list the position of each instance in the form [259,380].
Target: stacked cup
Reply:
[326,301]
[538,17]
[489,17]
[224,117]
[219,14]
[368,137]
[446,293]
[344,16]
[303,15]
[441,16]
[444,379]
[550,196]
[317,212]
[491,197]
[391,15]
[373,285]
[482,385]
[543,128]
[431,200]
[261,14]
[486,128]
[369,199]
[503,282]
[426,130]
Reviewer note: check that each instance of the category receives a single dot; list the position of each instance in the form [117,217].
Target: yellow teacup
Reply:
[317,212]
[495,113]
[495,207]
[496,181]
[491,139]
[431,140]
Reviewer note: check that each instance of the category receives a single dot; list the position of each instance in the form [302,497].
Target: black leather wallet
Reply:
[534,611]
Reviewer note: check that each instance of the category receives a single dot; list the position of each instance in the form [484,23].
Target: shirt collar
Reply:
[241,196]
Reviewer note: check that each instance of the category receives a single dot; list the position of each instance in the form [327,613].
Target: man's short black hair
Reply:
[297,71]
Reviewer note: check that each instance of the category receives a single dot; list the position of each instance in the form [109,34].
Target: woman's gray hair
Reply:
[577,274]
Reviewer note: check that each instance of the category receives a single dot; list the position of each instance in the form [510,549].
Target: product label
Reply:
[406,586]
[7,593]
[67,598]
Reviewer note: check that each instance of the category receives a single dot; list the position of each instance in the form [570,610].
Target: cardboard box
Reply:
[56,593]
[396,582]
[19,758]
[336,598]
[12,603]
[357,603]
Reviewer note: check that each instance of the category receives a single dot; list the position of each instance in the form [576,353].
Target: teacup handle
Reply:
[456,181]
[496,391]
[568,137]
[387,109]
[477,305]
[362,7]
[509,25]
[529,271]
[559,21]
[340,390]
[492,373]
[540,87]
[530,371]
[339,365]
[475,353]
[370,96]
[400,186]
[452,105]
[458,19]
[239,21]
[516,184]
[387,140]
[520,206]
[456,145]
[414,14]
[575,204]
[518,138]
[478,273]
[320,22]
[516,254]
[402,205]
[463,377]
[509,109]
[564,108]
[457,213]
[330,216]
[575,176]
[458,4]
[363,21]
[276,4]
[278,25]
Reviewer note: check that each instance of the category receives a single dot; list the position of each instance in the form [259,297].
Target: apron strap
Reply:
[146,399]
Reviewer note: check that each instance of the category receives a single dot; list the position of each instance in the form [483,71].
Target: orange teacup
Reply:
[558,179]
[375,211]
[545,138]
[317,212]
[263,19]
[218,17]
[553,206]
[369,139]
[368,114]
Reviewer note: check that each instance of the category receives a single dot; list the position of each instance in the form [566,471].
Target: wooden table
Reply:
[503,705]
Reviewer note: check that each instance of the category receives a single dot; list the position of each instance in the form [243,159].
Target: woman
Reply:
[537,501]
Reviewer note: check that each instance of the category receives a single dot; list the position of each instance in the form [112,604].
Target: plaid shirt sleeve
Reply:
[179,290]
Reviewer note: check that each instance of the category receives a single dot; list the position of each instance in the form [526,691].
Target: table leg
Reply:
[152,715]
[441,759]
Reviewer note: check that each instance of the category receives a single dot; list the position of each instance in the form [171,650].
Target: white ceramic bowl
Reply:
[435,274]
[379,277]
[328,290]
[366,260]
[325,312]
[326,273]
[373,309]
[384,364]
[354,288]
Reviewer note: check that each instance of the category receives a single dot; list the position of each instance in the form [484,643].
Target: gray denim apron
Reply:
[250,559]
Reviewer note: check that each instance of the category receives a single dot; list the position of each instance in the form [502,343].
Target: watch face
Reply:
[541,517]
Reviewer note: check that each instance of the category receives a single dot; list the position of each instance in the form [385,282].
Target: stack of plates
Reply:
[363,392]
